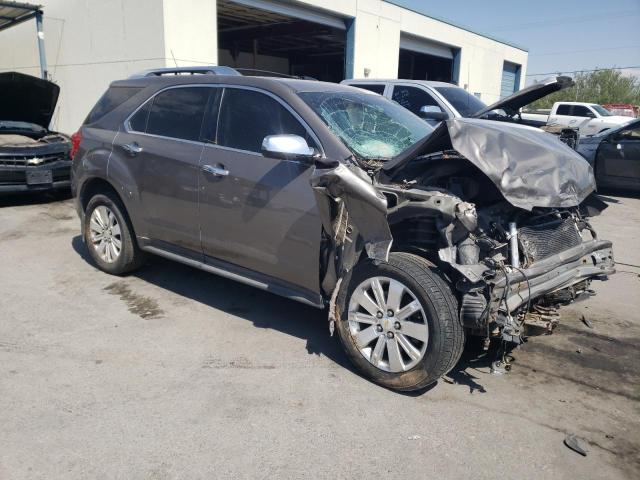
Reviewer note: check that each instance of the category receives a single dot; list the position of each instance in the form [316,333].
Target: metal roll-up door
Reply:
[422,45]
[295,11]
[510,79]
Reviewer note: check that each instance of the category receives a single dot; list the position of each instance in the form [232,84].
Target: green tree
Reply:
[603,86]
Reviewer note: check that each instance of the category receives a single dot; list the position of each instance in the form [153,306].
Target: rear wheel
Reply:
[109,236]
[399,322]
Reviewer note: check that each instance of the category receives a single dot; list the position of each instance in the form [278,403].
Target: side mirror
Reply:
[431,112]
[287,147]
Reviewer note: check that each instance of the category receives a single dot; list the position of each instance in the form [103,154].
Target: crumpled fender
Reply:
[354,214]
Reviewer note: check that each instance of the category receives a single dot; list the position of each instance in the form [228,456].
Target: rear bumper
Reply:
[589,260]
[13,179]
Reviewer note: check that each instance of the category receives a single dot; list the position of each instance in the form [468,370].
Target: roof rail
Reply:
[200,70]
[254,72]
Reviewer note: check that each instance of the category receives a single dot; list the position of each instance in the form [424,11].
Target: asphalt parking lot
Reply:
[175,373]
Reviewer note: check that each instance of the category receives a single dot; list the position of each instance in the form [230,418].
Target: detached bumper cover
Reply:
[592,259]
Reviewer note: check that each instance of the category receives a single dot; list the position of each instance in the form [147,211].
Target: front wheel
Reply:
[399,322]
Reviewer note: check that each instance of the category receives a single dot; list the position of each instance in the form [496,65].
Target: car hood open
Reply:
[515,102]
[531,168]
[27,99]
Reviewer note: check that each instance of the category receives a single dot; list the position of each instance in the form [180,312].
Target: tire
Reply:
[129,257]
[443,343]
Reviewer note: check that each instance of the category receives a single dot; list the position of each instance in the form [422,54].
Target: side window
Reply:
[581,111]
[247,116]
[413,98]
[630,134]
[375,88]
[178,113]
[138,123]
[112,98]
[563,110]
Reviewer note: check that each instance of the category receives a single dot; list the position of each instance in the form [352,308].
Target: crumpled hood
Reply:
[531,168]
[27,99]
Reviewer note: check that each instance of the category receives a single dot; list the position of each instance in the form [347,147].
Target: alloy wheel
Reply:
[105,234]
[388,324]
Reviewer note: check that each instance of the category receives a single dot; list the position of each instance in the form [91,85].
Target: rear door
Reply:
[162,147]
[618,159]
[256,212]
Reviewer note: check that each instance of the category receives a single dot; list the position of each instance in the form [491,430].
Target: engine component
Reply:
[466,213]
[513,245]
[473,308]
[548,238]
[468,252]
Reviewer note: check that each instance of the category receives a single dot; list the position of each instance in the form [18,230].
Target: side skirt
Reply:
[263,284]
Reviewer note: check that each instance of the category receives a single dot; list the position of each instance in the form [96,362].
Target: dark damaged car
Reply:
[32,157]
[412,237]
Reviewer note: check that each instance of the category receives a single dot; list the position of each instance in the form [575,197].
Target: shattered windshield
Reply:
[372,127]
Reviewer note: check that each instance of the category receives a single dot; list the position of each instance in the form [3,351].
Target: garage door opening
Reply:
[420,66]
[281,38]
[423,59]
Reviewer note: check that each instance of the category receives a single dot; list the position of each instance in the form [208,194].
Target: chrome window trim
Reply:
[224,86]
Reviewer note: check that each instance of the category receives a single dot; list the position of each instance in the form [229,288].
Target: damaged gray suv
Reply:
[412,237]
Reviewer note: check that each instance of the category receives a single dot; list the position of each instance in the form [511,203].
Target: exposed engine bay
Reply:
[501,211]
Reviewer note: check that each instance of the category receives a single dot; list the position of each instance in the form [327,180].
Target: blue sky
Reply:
[561,35]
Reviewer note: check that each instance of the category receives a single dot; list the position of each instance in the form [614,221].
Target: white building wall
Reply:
[481,58]
[90,43]
[190,32]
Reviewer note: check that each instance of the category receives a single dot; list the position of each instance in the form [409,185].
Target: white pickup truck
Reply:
[588,118]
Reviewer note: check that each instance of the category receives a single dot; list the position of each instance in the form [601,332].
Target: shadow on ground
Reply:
[33,198]
[266,310]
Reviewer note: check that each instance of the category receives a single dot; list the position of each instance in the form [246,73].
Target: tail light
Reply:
[76,138]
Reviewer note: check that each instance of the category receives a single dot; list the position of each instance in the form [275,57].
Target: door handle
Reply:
[216,171]
[619,146]
[132,148]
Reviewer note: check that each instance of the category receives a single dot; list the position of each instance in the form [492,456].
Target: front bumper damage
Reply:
[590,260]
[503,283]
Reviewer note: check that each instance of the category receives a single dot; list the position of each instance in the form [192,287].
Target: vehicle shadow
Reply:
[33,198]
[266,310]
[263,309]
[607,194]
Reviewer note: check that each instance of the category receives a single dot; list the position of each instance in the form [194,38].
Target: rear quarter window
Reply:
[112,98]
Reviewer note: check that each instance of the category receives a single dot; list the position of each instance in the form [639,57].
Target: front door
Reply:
[164,150]
[414,98]
[256,212]
[618,158]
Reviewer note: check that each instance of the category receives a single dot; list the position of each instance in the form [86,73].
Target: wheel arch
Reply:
[94,186]
[98,185]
